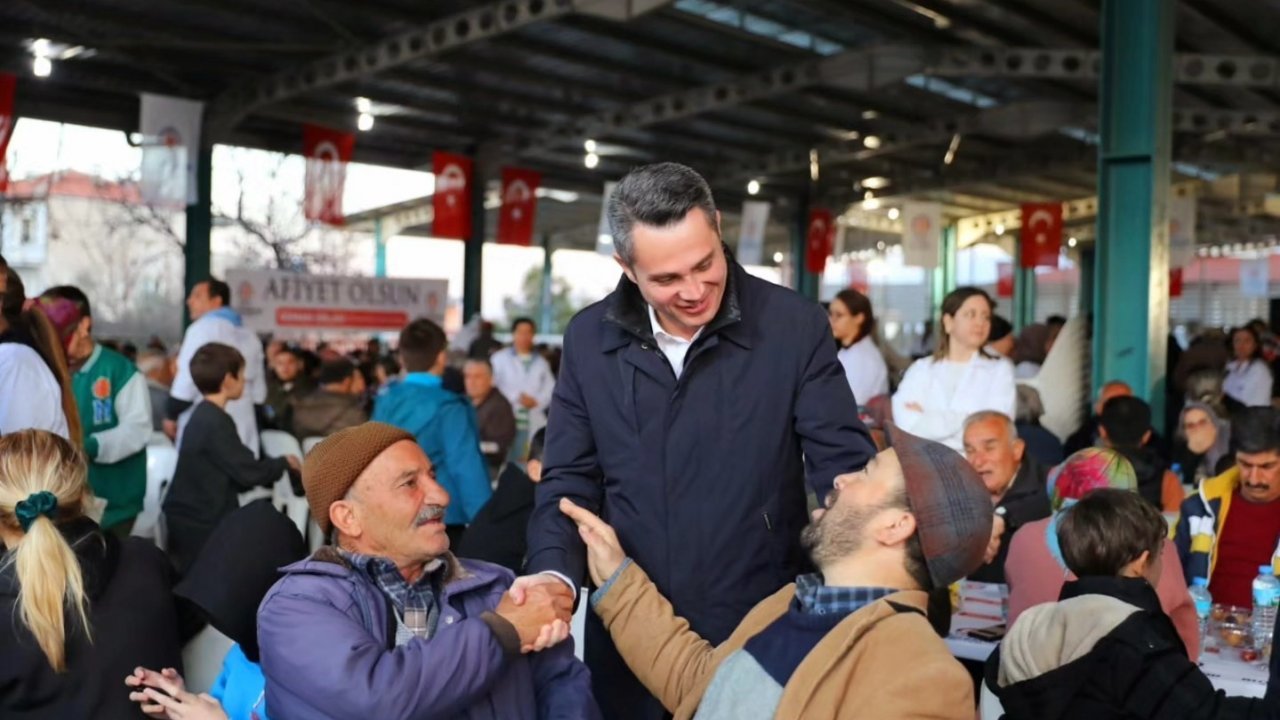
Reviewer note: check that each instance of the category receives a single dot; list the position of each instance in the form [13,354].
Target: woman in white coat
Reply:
[939,392]
[853,325]
[525,378]
[1248,377]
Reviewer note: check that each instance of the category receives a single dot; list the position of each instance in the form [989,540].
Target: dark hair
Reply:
[336,371]
[211,364]
[1108,529]
[515,324]
[481,361]
[72,293]
[218,289]
[1254,430]
[858,304]
[1126,419]
[389,364]
[658,195]
[1000,329]
[1055,320]
[35,330]
[421,343]
[536,444]
[951,305]
[1257,342]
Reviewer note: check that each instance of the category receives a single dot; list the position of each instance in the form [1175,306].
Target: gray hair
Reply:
[1030,406]
[658,195]
[984,415]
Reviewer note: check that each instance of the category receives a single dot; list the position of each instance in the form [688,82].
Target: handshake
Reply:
[541,606]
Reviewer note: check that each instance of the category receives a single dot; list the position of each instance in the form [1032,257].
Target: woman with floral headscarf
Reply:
[1035,569]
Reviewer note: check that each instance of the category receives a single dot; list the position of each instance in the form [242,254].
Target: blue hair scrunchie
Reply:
[37,504]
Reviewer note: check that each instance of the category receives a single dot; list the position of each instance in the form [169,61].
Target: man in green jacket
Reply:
[115,409]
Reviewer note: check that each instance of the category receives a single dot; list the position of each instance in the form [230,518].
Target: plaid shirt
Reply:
[817,598]
[416,604]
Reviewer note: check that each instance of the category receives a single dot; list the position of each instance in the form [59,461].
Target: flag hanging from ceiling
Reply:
[1041,234]
[452,199]
[8,89]
[604,234]
[1175,282]
[818,244]
[1004,280]
[858,277]
[519,206]
[755,216]
[327,152]
[170,129]
[921,234]
[1182,230]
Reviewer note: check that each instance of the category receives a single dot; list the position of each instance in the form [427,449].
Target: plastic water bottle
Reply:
[1266,596]
[1204,604]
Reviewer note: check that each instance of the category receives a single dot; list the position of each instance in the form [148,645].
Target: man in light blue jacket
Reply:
[443,422]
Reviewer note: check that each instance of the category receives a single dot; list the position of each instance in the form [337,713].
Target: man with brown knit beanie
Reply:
[387,623]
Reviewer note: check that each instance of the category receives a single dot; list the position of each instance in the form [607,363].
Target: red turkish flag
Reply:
[1004,280]
[327,152]
[1175,282]
[821,235]
[452,199]
[858,279]
[8,88]
[519,206]
[1041,234]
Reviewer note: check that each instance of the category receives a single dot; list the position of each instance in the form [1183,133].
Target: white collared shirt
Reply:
[675,348]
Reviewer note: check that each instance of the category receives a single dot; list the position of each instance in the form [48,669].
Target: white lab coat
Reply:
[865,369]
[30,397]
[214,328]
[1249,382]
[513,379]
[984,384]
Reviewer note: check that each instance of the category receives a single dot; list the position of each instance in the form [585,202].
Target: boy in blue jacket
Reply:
[443,422]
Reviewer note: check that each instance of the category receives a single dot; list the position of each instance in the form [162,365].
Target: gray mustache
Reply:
[429,513]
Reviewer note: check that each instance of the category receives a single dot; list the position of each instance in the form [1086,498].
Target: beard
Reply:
[839,532]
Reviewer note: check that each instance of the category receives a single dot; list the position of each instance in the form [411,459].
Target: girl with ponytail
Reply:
[79,609]
[35,381]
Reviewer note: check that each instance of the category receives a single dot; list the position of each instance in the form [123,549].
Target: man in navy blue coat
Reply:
[691,404]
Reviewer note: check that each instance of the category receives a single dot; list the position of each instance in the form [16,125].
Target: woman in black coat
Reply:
[96,606]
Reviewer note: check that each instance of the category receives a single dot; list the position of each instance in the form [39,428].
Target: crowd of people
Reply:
[770,509]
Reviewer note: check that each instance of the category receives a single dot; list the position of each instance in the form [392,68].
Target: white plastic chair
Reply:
[276,443]
[202,659]
[310,443]
[161,462]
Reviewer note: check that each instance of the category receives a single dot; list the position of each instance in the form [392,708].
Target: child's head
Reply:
[533,464]
[1113,533]
[218,369]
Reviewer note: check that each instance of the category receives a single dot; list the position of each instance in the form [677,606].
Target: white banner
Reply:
[921,234]
[272,300]
[1182,231]
[604,235]
[170,129]
[755,217]
[1255,277]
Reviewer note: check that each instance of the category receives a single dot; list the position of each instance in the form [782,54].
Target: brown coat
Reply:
[877,662]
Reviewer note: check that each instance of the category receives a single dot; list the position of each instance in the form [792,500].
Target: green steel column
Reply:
[806,283]
[379,250]
[1131,316]
[546,302]
[943,277]
[1086,280]
[473,254]
[1024,294]
[196,250]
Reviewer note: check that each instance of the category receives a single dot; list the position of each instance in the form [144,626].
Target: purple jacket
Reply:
[323,633]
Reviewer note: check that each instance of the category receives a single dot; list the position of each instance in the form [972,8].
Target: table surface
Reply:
[1225,670]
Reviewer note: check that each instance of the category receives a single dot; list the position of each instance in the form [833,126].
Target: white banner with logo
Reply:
[755,217]
[604,235]
[170,129]
[274,301]
[1182,231]
[921,234]
[1255,278]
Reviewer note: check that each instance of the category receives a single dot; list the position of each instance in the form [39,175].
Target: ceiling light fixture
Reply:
[753,187]
[875,183]
[365,122]
[871,142]
[591,160]
[894,213]
[589,146]
[950,157]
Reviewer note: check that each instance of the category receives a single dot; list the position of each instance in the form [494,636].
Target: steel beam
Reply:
[1074,64]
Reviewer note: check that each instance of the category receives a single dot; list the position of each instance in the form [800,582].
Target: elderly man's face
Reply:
[994,453]
[479,380]
[398,509]
[859,504]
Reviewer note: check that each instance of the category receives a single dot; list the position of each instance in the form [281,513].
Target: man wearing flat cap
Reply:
[850,641]
[386,623]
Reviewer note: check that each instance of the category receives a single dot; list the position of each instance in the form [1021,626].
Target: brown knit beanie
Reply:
[331,468]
